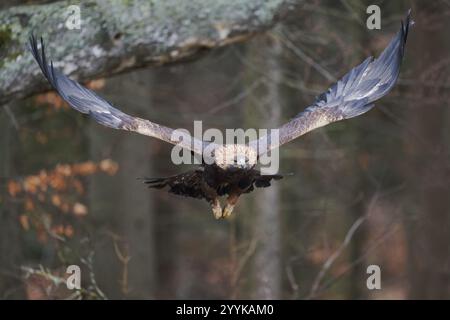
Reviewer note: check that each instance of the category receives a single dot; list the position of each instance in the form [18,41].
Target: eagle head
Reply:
[235,156]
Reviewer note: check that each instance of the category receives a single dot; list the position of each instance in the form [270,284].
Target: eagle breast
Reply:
[235,156]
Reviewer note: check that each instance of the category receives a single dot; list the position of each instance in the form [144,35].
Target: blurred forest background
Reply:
[371,190]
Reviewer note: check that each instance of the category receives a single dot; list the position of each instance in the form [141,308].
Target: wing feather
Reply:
[351,96]
[88,102]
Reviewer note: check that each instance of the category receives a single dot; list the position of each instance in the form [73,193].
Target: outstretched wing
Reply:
[351,96]
[86,101]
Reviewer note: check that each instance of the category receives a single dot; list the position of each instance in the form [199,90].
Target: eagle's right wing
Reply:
[86,101]
[351,96]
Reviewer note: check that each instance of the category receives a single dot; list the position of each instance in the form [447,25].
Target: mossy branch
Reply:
[117,36]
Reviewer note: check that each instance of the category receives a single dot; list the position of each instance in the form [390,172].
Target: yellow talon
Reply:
[216,209]
[227,211]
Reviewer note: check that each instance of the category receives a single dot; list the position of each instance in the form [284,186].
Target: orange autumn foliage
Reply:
[96,84]
[56,187]
[60,178]
[51,98]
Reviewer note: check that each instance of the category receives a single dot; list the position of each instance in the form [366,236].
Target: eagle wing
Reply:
[351,96]
[88,102]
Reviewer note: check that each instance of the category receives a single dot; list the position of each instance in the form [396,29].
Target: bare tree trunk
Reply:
[428,172]
[357,285]
[10,240]
[267,223]
[126,202]
[119,36]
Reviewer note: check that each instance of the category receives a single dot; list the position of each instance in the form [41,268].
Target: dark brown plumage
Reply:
[211,182]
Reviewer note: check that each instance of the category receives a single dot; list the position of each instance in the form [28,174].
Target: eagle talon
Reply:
[216,209]
[227,211]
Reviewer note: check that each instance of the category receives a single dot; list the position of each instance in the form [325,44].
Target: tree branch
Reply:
[117,36]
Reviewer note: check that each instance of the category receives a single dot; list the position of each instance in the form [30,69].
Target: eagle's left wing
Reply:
[351,96]
[88,102]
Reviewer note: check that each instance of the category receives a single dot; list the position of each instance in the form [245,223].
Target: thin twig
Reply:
[302,55]
[336,255]
[243,261]
[11,116]
[360,259]
[88,262]
[353,13]
[237,98]
[124,259]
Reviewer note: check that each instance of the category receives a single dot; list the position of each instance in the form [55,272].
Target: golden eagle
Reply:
[229,173]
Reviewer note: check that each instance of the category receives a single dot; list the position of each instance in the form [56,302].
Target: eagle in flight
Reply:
[232,170]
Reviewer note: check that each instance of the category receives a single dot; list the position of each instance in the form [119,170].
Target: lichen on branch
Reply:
[119,35]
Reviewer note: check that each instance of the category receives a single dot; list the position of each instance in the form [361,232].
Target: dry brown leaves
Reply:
[58,188]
